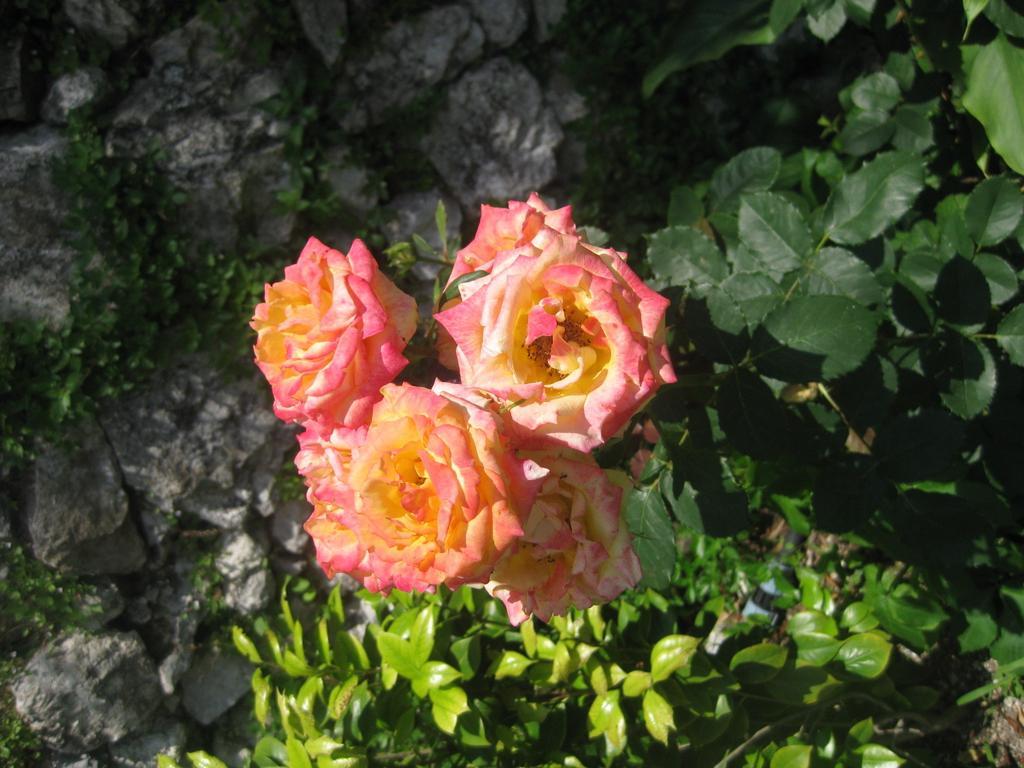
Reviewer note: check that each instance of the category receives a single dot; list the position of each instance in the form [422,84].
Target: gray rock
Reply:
[286,526]
[503,21]
[83,691]
[18,83]
[413,213]
[5,524]
[251,593]
[72,761]
[548,13]
[214,683]
[76,511]
[234,739]
[248,585]
[568,103]
[495,139]
[412,56]
[325,24]
[72,91]
[194,439]
[350,182]
[166,737]
[221,147]
[112,21]
[177,608]
[100,605]
[35,251]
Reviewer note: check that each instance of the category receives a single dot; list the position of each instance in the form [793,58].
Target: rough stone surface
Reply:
[101,605]
[248,586]
[76,512]
[35,251]
[495,139]
[17,83]
[198,442]
[503,21]
[286,526]
[72,761]
[170,629]
[233,740]
[325,24]
[84,691]
[412,56]
[214,683]
[350,182]
[219,145]
[112,21]
[251,593]
[548,13]
[165,737]
[72,91]
[568,104]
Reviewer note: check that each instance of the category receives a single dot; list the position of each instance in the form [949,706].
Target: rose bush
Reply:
[566,331]
[428,493]
[331,334]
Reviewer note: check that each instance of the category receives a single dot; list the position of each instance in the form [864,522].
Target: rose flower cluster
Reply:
[487,480]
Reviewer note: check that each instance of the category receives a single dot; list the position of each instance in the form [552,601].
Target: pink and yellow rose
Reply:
[568,333]
[575,549]
[331,334]
[430,491]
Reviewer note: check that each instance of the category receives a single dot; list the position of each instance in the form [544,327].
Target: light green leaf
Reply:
[858,617]
[865,655]
[421,638]
[435,674]
[606,718]
[654,540]
[758,663]
[398,654]
[752,170]
[683,256]
[1010,335]
[636,683]
[815,338]
[792,756]
[876,91]
[261,696]
[877,756]
[202,759]
[448,704]
[245,646]
[1002,14]
[994,210]
[995,96]
[816,648]
[775,231]
[658,716]
[865,203]
[972,8]
[671,653]
[804,622]
[512,664]
[297,756]
[466,652]
[340,697]
[827,22]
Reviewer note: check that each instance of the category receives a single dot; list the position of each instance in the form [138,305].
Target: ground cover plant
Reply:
[827,505]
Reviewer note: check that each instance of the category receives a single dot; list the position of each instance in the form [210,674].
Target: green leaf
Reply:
[684,207]
[340,697]
[783,13]
[828,20]
[758,663]
[865,655]
[421,638]
[994,210]
[683,256]
[755,295]
[981,630]
[452,291]
[270,752]
[1002,14]
[846,494]
[717,327]
[914,131]
[995,97]
[908,614]
[245,646]
[792,756]
[511,664]
[752,170]
[837,272]
[448,704]
[205,760]
[654,539]
[866,131]
[605,717]
[773,229]
[751,416]
[1002,280]
[658,716]
[636,683]
[434,675]
[297,756]
[815,338]
[805,622]
[261,696]
[877,756]
[707,30]
[858,617]
[865,203]
[466,651]
[1010,335]
[398,654]
[918,447]
[966,375]
[816,648]
[876,91]
[972,8]
[671,653]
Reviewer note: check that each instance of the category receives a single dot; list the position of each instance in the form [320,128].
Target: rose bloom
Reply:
[568,333]
[429,492]
[575,548]
[331,334]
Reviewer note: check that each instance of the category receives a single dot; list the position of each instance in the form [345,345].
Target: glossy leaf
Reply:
[672,653]
[865,655]
[447,705]
[658,717]
[758,663]
[995,97]
[865,203]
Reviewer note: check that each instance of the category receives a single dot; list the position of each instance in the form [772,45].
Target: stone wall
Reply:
[172,489]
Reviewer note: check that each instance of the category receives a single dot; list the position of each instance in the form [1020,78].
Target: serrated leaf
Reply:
[758,663]
[994,210]
[684,207]
[865,203]
[1002,280]
[1010,335]
[815,338]
[966,375]
[876,91]
[654,540]
[671,653]
[866,131]
[995,97]
[914,132]
[751,416]
[918,447]
[865,655]
[683,256]
[775,231]
[827,22]
[658,716]
[752,170]
[837,272]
